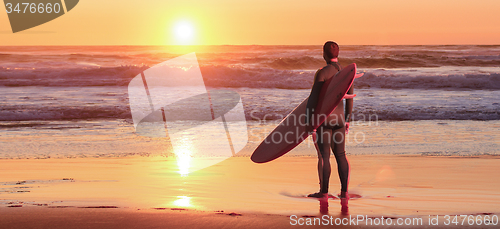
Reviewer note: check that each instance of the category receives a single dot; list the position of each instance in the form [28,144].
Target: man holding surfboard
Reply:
[330,134]
[323,115]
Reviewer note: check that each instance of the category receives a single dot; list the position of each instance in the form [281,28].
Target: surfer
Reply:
[331,134]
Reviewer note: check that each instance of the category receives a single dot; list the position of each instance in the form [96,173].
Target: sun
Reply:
[184,32]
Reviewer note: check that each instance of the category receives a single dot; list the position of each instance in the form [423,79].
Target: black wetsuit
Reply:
[331,134]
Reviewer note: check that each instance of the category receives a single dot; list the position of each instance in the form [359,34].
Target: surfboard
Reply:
[292,129]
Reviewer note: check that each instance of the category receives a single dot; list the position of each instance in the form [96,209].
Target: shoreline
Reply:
[103,139]
[108,192]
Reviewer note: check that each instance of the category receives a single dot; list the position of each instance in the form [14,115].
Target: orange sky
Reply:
[268,22]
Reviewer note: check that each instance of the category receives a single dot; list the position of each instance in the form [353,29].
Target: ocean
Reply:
[63,102]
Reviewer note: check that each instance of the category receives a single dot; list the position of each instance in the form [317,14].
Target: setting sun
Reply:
[183,32]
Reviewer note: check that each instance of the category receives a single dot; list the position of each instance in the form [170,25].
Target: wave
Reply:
[392,80]
[395,113]
[437,78]
[422,60]
[393,61]
[259,104]
[384,61]
[306,62]
[278,57]
[65,113]
[28,57]
[233,77]
[75,77]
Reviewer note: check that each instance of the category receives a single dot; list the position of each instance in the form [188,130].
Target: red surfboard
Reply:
[292,129]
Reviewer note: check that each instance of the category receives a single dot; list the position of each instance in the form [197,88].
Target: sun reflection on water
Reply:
[183,154]
[184,162]
[182,201]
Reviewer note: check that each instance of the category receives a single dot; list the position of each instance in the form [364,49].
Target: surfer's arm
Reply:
[312,102]
[348,106]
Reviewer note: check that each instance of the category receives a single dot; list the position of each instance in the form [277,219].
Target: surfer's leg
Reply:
[324,138]
[320,173]
[338,148]
[320,163]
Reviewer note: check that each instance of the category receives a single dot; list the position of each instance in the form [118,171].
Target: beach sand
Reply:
[147,192]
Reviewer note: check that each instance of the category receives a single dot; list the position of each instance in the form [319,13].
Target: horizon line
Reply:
[266,45]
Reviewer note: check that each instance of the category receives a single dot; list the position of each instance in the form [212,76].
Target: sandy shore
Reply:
[146,192]
[77,218]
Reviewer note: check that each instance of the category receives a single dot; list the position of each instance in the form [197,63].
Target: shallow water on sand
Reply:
[385,185]
[109,138]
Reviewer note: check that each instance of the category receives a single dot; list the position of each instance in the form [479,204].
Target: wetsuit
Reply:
[331,134]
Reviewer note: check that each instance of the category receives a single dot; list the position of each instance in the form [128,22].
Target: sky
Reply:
[266,22]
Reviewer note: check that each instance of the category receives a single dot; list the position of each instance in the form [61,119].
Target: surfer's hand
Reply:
[346,128]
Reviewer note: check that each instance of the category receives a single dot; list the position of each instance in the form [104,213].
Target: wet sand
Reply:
[147,192]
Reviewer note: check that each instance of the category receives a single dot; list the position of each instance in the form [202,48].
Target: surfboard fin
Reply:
[359,75]
[348,96]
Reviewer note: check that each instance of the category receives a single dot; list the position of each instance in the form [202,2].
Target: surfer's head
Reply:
[330,51]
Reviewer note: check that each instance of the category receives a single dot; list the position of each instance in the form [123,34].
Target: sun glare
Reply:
[183,154]
[183,162]
[182,201]
[184,32]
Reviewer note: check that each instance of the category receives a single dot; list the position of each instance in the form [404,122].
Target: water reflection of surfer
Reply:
[331,134]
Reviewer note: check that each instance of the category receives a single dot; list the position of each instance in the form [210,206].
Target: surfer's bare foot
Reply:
[318,195]
[344,195]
